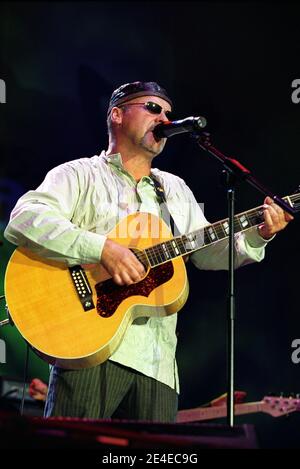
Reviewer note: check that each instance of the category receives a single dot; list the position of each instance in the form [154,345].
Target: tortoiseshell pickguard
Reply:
[110,295]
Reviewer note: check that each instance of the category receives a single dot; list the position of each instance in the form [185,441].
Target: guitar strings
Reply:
[254,216]
[156,250]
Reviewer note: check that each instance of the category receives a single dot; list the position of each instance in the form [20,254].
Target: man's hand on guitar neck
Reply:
[121,263]
[275,219]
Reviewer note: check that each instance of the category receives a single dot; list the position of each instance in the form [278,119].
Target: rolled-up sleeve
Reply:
[42,221]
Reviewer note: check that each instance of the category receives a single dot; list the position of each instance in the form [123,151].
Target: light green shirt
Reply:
[79,202]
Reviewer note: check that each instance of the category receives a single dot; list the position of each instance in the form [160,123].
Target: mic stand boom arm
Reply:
[235,168]
[234,171]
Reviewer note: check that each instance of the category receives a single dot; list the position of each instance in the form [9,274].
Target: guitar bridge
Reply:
[82,287]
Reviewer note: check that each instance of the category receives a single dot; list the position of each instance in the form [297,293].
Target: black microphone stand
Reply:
[234,171]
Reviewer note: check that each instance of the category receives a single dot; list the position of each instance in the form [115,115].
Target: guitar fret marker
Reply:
[175,247]
[243,220]
[191,241]
[226,227]
[212,234]
[166,251]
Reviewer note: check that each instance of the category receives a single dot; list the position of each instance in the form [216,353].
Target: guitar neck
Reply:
[199,239]
[207,413]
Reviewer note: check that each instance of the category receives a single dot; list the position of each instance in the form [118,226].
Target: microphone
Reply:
[170,128]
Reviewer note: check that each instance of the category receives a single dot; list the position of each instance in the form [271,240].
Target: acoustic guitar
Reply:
[76,317]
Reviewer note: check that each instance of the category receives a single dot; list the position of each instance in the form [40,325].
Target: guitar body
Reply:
[45,306]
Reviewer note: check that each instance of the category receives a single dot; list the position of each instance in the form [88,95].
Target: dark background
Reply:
[233,63]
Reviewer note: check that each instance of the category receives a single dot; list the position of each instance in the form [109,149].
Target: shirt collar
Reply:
[116,160]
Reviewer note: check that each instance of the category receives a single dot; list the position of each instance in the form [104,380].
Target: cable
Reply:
[24,379]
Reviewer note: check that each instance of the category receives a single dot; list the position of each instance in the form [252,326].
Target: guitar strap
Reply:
[166,215]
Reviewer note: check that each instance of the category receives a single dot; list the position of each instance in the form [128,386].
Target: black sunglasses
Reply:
[152,107]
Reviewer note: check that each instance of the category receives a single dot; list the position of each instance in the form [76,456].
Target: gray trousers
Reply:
[109,390]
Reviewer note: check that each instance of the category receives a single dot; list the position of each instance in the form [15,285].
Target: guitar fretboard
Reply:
[213,233]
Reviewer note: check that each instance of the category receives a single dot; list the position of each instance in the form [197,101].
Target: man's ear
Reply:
[116,115]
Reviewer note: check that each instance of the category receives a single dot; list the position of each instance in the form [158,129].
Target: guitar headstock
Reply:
[279,405]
